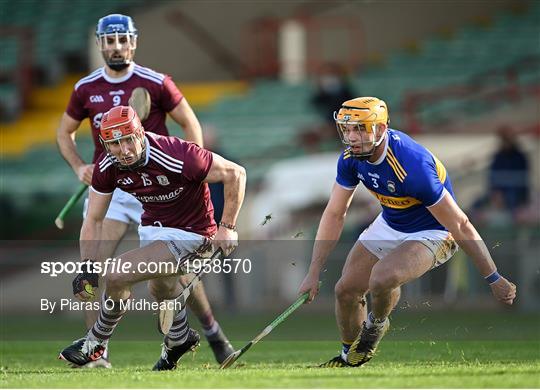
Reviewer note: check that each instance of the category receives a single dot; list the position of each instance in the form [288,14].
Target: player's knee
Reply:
[396,294]
[383,281]
[346,292]
[115,281]
[161,291]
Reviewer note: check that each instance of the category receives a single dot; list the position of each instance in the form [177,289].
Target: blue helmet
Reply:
[115,23]
[116,37]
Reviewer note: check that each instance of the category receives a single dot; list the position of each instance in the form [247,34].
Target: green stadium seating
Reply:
[264,125]
[59,27]
[274,113]
[9,49]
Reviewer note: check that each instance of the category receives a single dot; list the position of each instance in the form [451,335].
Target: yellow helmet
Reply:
[364,114]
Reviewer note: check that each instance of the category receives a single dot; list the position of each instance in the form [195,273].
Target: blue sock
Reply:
[344,350]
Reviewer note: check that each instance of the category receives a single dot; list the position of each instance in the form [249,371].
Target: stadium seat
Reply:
[267,121]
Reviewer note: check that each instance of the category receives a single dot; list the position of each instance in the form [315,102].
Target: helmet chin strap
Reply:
[366,156]
[139,163]
[381,139]
[362,157]
[119,66]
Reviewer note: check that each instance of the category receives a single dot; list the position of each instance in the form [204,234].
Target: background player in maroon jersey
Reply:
[169,176]
[110,86]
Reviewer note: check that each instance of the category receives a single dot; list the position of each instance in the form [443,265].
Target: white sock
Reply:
[213,330]
[106,352]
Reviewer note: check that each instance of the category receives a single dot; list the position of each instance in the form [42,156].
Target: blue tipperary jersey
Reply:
[406,179]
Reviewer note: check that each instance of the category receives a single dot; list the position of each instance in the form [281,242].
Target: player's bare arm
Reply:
[185,117]
[90,236]
[450,215]
[65,138]
[233,177]
[328,234]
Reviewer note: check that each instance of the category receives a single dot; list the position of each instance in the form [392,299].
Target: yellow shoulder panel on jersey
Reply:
[396,166]
[402,202]
[441,170]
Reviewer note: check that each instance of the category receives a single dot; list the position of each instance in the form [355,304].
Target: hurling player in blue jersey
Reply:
[417,230]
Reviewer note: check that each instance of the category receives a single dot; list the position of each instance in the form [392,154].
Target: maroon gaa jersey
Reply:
[97,93]
[169,185]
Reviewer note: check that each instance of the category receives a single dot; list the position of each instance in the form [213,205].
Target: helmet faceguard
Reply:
[363,117]
[116,37]
[120,129]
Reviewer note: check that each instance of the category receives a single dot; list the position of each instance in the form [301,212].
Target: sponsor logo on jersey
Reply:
[162,179]
[119,92]
[391,186]
[97,120]
[401,202]
[159,198]
[96,99]
[361,177]
[375,175]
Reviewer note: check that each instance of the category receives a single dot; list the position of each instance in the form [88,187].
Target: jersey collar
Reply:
[117,80]
[383,155]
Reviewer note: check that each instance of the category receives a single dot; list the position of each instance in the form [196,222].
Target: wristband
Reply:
[228,226]
[493,277]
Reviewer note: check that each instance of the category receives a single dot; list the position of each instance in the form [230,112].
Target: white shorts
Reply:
[380,239]
[124,207]
[183,245]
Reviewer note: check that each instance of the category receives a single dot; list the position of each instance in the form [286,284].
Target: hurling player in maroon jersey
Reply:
[169,176]
[110,86]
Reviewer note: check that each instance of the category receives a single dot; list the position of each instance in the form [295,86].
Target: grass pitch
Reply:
[449,350]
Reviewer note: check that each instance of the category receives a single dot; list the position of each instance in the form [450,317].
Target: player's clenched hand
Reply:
[85,172]
[311,285]
[85,282]
[226,239]
[504,291]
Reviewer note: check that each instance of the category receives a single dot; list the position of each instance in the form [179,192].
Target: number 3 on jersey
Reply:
[375,184]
